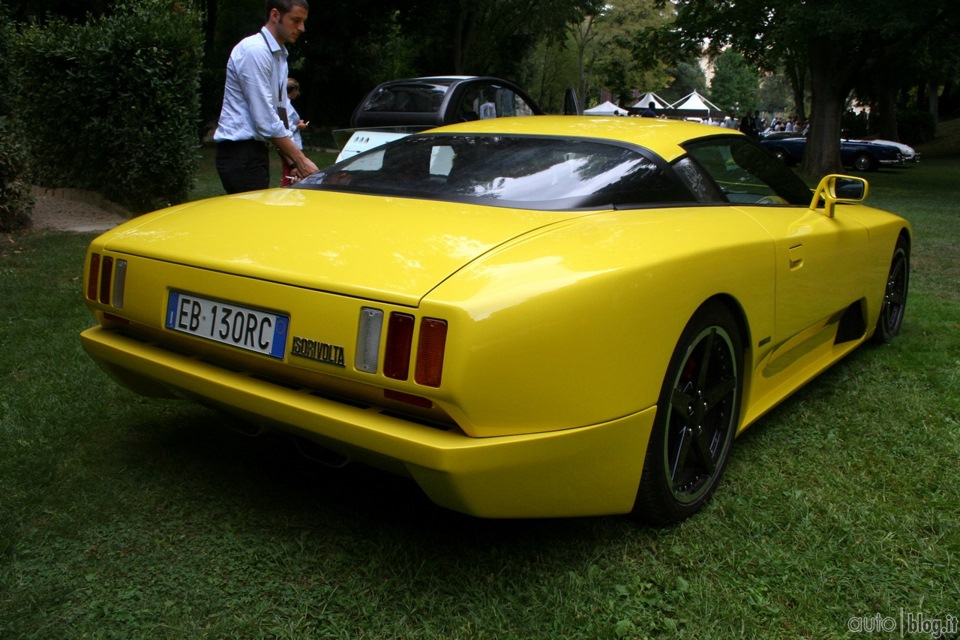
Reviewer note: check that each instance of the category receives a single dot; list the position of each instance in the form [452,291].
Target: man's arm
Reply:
[304,165]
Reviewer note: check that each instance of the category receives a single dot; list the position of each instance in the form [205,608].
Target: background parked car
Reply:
[862,155]
[909,153]
[400,107]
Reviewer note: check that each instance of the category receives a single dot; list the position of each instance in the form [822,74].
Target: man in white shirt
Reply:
[255,102]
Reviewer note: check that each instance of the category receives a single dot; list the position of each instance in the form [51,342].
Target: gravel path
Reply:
[66,212]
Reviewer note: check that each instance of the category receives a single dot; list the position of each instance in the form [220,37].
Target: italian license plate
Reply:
[227,323]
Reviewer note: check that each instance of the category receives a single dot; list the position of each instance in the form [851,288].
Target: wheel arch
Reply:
[907,237]
[738,313]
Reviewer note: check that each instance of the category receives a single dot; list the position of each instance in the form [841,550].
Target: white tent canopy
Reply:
[696,102]
[605,109]
[644,101]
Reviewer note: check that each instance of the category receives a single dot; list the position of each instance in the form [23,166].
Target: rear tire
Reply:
[697,418]
[895,295]
[864,162]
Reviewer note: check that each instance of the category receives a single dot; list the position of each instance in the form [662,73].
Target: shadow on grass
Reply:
[266,476]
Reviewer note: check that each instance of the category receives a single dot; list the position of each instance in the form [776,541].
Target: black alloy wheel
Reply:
[697,418]
[895,294]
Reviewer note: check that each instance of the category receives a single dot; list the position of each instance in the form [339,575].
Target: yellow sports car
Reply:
[529,317]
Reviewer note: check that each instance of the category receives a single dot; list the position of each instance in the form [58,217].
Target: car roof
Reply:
[662,136]
[435,79]
[426,109]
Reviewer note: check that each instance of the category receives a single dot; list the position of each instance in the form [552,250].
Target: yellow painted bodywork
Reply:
[560,324]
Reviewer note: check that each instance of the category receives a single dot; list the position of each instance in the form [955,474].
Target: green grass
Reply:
[946,144]
[123,517]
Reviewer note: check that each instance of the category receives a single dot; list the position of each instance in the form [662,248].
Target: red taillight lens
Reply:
[433,342]
[92,276]
[396,361]
[106,273]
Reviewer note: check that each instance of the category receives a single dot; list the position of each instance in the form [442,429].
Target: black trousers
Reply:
[243,165]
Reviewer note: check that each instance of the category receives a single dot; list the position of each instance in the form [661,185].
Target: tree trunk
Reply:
[832,68]
[797,73]
[933,100]
[822,155]
[887,112]
[462,36]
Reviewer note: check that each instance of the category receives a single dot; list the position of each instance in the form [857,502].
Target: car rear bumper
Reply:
[590,470]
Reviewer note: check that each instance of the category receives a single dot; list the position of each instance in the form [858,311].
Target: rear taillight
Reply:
[106,280]
[93,276]
[431,346]
[430,349]
[396,361]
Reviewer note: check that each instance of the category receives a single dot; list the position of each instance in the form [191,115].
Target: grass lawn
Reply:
[124,517]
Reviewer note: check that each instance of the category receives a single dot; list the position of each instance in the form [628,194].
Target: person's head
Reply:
[293,88]
[286,19]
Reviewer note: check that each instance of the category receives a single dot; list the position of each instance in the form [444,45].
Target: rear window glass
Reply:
[514,171]
[413,97]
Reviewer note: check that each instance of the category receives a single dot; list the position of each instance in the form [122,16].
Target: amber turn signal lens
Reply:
[430,350]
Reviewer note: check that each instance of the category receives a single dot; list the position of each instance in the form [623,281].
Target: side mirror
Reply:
[836,188]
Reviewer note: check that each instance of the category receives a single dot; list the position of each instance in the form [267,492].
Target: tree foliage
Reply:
[837,43]
[735,83]
[886,51]
[15,199]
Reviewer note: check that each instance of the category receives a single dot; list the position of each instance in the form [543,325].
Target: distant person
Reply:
[650,111]
[256,105]
[296,126]
[748,126]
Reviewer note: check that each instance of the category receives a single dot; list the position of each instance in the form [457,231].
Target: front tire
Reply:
[895,295]
[697,417]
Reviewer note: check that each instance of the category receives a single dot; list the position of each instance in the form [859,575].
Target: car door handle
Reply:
[796,257]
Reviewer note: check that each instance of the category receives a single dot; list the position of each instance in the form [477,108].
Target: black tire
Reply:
[864,162]
[697,417]
[894,295]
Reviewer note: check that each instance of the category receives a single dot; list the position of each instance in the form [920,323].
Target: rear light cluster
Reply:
[431,344]
[106,280]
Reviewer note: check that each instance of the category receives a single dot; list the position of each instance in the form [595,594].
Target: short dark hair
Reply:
[283,6]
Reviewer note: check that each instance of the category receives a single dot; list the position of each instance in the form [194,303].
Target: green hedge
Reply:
[113,105]
[15,199]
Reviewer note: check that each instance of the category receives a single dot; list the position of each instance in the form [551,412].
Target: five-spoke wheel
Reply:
[895,294]
[697,418]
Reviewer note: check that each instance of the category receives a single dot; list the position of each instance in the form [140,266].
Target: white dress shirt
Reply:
[256,86]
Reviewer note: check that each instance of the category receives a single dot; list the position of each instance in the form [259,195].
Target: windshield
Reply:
[515,171]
